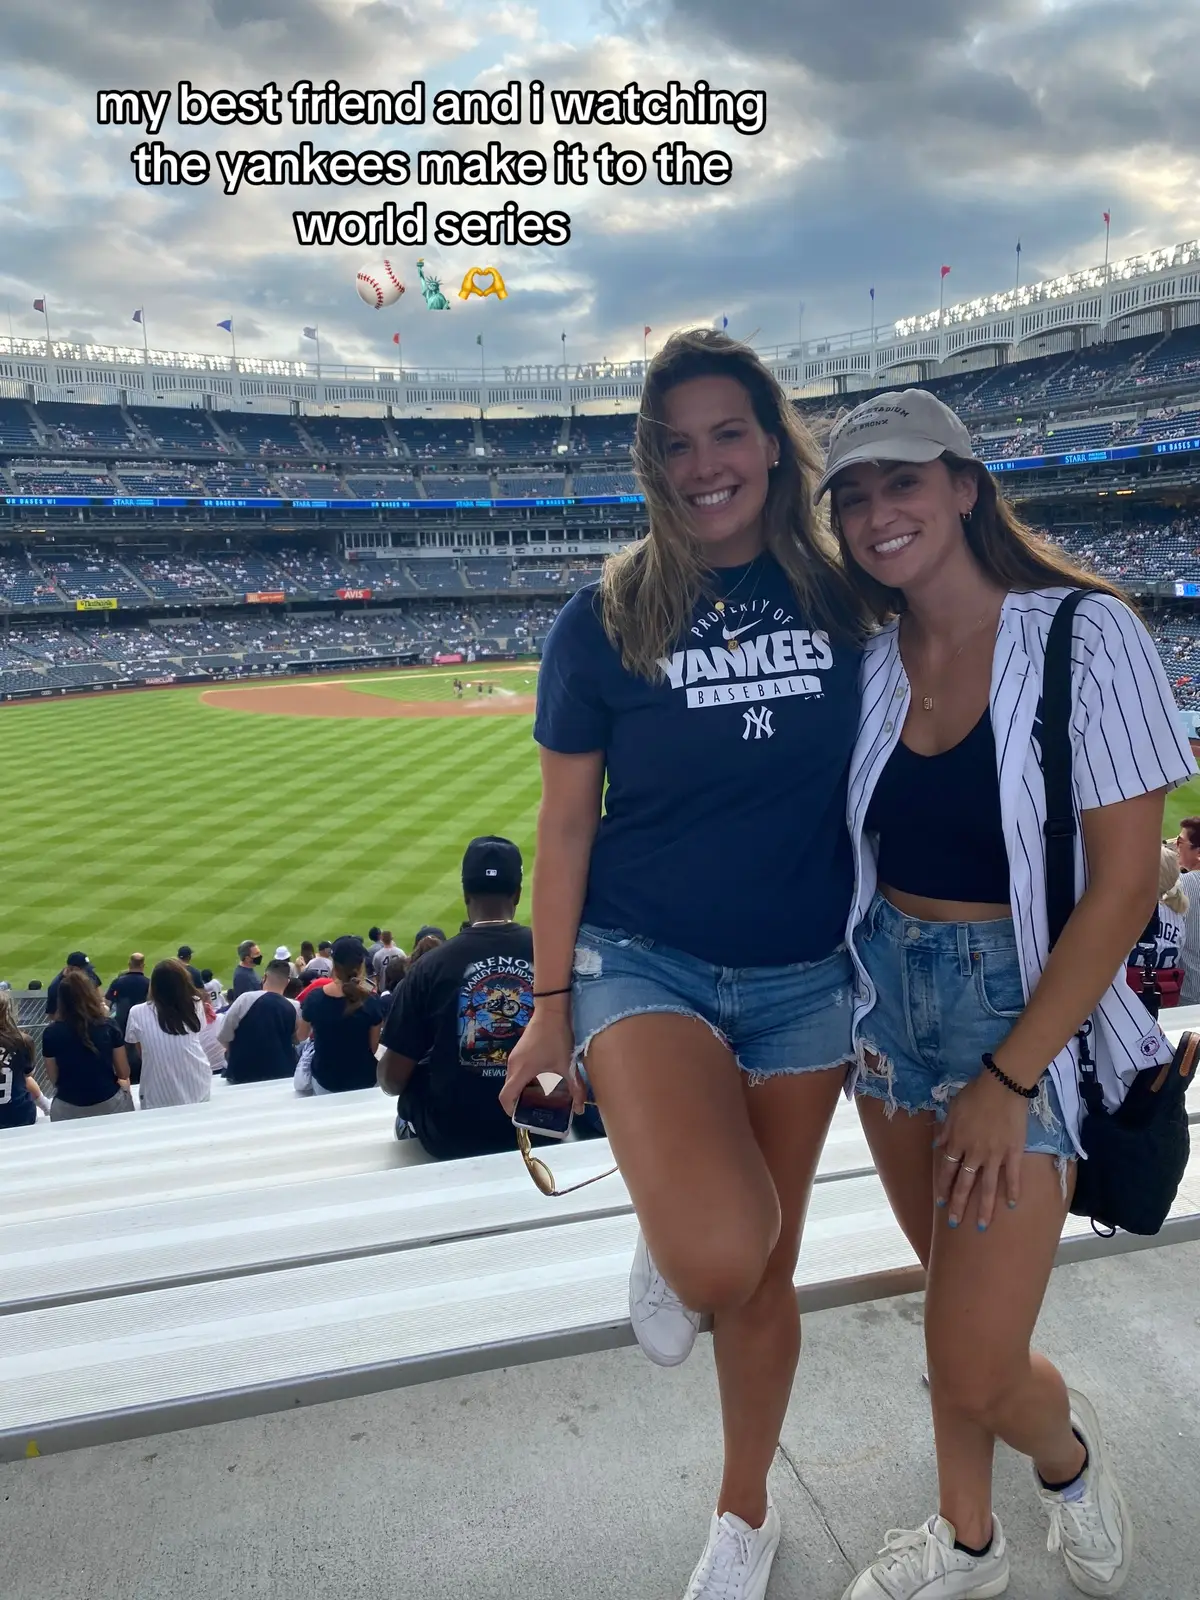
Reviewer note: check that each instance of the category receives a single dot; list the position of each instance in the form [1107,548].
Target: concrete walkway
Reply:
[593,1479]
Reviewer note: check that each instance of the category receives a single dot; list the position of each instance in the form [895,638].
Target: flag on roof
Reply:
[39,305]
[310,333]
[646,331]
[478,338]
[137,315]
[872,291]
[945,272]
[395,338]
[227,324]
[1107,218]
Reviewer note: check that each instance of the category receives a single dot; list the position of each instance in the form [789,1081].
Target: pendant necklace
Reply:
[731,641]
[927,700]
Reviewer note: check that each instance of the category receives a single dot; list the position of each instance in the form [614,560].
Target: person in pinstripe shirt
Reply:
[1187,847]
[964,1026]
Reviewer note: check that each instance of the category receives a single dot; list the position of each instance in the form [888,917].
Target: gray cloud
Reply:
[900,136]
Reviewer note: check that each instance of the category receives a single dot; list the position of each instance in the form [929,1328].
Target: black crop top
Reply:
[938,821]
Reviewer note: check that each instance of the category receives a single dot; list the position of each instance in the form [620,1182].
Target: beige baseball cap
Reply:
[902,425]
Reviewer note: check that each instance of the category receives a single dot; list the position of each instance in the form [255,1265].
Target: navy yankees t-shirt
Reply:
[724,828]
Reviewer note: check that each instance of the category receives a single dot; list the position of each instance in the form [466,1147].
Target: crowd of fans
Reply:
[433,1025]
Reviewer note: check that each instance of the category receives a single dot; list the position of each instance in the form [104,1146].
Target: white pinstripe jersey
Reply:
[1125,740]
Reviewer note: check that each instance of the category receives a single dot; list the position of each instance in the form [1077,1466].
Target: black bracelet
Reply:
[1009,1083]
[544,994]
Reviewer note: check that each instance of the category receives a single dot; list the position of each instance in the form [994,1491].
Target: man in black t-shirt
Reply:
[77,958]
[460,1011]
[185,955]
[128,990]
[259,1030]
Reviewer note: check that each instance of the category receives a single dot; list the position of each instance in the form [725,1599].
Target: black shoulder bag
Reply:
[1136,1155]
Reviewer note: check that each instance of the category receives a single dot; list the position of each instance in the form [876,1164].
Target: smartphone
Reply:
[548,1115]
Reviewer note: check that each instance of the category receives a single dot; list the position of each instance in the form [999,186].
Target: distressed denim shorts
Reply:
[774,1019]
[947,992]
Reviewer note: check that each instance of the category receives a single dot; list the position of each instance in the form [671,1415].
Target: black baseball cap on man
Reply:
[491,865]
[79,960]
[348,952]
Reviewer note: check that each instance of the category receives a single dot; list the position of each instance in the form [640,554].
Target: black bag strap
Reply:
[1060,826]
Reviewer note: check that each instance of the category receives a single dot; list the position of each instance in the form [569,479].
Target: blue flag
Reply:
[137,316]
[872,291]
[227,324]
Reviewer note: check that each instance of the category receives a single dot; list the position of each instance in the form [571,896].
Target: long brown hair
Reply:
[354,989]
[79,1004]
[173,996]
[13,1042]
[648,591]
[1009,551]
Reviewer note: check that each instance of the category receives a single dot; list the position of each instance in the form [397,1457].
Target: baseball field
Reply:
[282,811]
[298,809]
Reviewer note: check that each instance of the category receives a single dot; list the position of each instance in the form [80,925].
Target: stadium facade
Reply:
[168,515]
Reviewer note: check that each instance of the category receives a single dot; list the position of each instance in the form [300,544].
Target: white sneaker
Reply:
[665,1328]
[1094,1532]
[924,1565]
[736,1564]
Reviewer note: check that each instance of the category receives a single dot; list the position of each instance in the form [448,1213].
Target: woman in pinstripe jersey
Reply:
[964,1026]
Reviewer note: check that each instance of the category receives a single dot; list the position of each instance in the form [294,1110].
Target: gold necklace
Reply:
[927,701]
[731,641]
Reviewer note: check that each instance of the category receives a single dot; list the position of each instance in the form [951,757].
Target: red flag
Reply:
[646,333]
[1107,219]
[39,305]
[395,338]
[945,272]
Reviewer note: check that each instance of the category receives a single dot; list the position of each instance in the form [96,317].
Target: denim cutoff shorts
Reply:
[774,1019]
[947,992]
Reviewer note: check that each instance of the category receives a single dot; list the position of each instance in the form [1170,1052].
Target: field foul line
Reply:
[362,677]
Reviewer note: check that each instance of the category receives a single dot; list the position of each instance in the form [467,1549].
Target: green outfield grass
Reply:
[142,821]
[147,820]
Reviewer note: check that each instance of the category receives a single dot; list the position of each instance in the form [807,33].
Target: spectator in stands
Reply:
[83,1054]
[427,931]
[211,987]
[321,965]
[308,952]
[78,961]
[393,976]
[372,945]
[948,805]
[1187,846]
[19,1092]
[716,1100]
[185,955]
[128,990]
[387,949]
[458,1014]
[258,1031]
[176,1069]
[1154,970]
[245,976]
[344,1019]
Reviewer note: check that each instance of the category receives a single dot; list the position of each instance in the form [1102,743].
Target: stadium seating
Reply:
[511,438]
[601,436]
[450,438]
[176,429]
[456,486]
[49,477]
[82,427]
[603,483]
[23,584]
[207,1262]
[531,486]
[350,436]
[263,435]
[90,572]
[16,425]
[381,486]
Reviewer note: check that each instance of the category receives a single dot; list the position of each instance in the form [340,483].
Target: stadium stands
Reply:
[176,429]
[513,438]
[16,425]
[266,435]
[601,436]
[82,427]
[451,439]
[350,436]
[456,486]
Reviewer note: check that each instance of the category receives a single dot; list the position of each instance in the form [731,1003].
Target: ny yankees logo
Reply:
[760,721]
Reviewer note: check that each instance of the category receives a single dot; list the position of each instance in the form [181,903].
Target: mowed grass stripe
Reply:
[143,820]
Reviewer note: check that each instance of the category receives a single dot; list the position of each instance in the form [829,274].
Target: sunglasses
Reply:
[542,1176]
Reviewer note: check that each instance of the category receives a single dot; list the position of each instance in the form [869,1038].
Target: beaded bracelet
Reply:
[1009,1083]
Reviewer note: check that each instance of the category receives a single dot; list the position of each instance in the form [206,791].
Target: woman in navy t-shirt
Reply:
[689,933]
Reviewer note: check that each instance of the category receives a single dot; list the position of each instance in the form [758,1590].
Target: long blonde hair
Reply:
[1010,552]
[1170,891]
[649,591]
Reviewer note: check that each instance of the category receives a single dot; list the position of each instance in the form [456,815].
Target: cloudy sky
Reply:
[899,136]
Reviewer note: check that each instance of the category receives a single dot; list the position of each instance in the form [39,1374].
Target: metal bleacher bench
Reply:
[262,1252]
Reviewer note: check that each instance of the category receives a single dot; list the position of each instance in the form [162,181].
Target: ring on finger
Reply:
[953,1160]
[971,1169]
